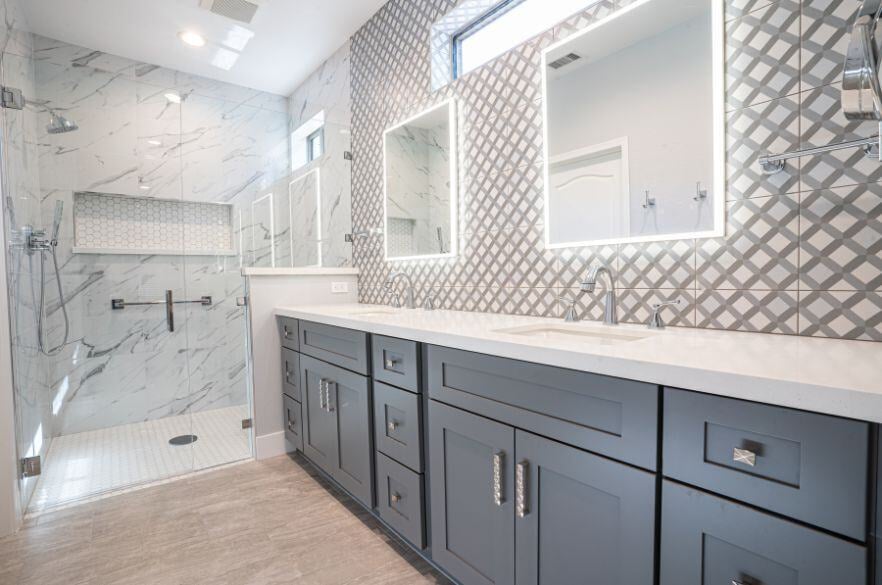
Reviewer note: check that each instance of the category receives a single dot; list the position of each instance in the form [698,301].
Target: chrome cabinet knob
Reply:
[393,426]
[744,456]
[390,363]
[395,497]
[291,426]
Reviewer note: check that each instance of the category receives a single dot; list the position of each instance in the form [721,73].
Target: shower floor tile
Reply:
[95,463]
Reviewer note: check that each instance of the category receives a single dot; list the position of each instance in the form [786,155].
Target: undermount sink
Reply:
[574,333]
[372,312]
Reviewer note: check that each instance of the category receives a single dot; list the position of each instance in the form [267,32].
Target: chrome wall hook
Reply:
[648,201]
[700,194]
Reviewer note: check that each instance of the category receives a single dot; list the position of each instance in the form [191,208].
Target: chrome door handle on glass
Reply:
[521,475]
[744,456]
[498,462]
[169,302]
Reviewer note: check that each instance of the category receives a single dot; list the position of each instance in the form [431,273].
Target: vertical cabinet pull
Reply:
[328,384]
[498,462]
[323,386]
[522,471]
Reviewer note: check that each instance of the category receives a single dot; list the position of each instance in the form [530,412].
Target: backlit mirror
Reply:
[634,127]
[420,183]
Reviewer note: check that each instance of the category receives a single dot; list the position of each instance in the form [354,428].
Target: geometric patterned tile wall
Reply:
[803,249]
[133,223]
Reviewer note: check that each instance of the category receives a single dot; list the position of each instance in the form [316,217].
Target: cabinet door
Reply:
[581,519]
[348,399]
[472,471]
[319,424]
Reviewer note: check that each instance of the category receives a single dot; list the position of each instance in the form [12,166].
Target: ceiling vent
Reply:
[239,10]
[564,61]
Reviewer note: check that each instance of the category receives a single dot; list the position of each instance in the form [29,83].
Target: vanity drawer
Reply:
[610,416]
[293,422]
[709,540]
[811,467]
[346,348]
[291,373]
[395,362]
[288,333]
[397,425]
[400,499]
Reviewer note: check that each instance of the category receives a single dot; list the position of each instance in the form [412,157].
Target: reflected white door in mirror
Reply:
[420,202]
[634,127]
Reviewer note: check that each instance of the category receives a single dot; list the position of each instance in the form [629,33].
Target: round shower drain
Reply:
[183,440]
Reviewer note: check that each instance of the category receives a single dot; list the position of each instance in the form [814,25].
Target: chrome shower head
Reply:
[58,124]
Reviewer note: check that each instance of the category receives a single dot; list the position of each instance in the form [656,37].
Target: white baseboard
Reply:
[272,445]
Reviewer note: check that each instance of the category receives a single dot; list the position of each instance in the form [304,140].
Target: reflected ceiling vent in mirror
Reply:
[564,61]
[240,10]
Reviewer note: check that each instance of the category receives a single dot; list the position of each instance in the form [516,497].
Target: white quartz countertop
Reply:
[842,378]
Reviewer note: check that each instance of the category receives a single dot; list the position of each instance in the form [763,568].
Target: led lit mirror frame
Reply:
[718,127]
[450,107]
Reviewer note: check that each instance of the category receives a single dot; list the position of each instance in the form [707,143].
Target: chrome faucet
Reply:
[655,319]
[409,302]
[610,314]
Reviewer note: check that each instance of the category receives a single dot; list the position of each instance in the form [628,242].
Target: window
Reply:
[505,26]
[308,141]
[315,144]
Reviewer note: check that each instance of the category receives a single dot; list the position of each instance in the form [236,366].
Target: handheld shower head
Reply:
[56,224]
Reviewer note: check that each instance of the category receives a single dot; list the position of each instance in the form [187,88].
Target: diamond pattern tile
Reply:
[826,26]
[762,55]
[822,123]
[769,128]
[842,315]
[784,58]
[760,250]
[841,244]
[748,310]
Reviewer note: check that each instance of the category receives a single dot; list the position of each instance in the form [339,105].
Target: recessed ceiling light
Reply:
[192,38]
[173,98]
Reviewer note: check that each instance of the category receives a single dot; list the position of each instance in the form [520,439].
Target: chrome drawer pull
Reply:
[744,456]
[292,427]
[521,471]
[498,461]
[391,363]
[328,384]
[323,387]
[396,497]
[393,426]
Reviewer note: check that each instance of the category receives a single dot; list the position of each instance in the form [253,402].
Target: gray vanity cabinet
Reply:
[582,518]
[559,516]
[337,435]
[472,479]
[708,540]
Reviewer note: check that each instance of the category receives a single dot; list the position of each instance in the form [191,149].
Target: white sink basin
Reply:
[577,333]
[372,312]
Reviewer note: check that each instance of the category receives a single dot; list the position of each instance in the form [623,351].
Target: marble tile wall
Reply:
[802,251]
[210,143]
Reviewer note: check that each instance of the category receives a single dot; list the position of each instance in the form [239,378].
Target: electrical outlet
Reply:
[339,288]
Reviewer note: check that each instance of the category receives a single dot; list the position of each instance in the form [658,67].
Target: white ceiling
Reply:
[292,37]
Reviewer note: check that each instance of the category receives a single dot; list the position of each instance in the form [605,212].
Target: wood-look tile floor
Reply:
[273,522]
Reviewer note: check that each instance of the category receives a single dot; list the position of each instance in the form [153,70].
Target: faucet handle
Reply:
[429,302]
[570,316]
[655,318]
[396,298]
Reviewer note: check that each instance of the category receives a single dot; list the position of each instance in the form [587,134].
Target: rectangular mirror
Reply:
[634,127]
[421,187]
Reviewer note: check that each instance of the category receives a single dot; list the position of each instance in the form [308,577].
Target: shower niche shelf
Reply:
[121,224]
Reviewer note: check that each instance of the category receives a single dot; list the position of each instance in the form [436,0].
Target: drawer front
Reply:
[612,417]
[708,540]
[346,348]
[291,374]
[807,466]
[289,333]
[400,499]
[398,426]
[293,422]
[395,362]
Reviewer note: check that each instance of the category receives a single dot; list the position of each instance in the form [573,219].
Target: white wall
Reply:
[265,294]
